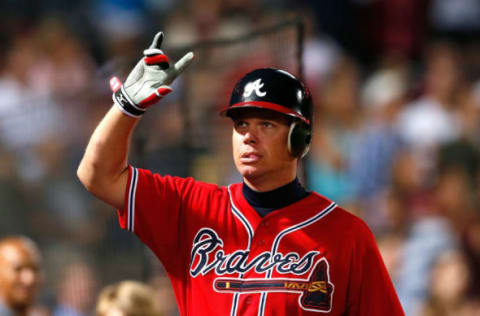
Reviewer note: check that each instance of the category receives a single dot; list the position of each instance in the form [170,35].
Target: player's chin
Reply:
[248,171]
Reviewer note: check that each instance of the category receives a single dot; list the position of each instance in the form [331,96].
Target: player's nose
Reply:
[251,136]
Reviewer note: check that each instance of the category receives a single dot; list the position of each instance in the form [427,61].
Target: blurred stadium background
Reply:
[396,136]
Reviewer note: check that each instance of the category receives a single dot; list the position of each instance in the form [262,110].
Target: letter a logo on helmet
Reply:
[254,86]
[286,95]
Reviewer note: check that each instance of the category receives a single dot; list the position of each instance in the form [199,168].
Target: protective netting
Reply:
[190,138]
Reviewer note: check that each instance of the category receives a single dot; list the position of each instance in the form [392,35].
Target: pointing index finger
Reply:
[184,62]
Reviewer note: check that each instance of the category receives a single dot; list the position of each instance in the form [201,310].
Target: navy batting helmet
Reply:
[279,91]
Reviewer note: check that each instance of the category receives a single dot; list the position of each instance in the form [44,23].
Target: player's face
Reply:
[19,275]
[260,147]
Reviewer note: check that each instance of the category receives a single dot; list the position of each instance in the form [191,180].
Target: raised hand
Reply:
[149,81]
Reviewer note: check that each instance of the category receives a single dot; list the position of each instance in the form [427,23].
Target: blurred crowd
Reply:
[396,88]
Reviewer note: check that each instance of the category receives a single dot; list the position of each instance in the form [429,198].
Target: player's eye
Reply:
[267,124]
[240,124]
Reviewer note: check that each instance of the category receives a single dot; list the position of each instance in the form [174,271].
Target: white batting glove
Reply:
[149,80]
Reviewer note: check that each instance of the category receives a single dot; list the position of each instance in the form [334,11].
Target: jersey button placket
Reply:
[259,234]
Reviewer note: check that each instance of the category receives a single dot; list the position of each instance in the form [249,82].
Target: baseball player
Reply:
[262,247]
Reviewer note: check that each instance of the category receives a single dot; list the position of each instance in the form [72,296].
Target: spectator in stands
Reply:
[430,232]
[20,275]
[164,294]
[432,119]
[128,298]
[337,119]
[76,290]
[383,95]
[450,280]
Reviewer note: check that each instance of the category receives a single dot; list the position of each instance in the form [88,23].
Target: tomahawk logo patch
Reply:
[254,86]
[316,292]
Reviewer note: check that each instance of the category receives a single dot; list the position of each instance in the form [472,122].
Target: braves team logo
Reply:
[316,291]
[254,86]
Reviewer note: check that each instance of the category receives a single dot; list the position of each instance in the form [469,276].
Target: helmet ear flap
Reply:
[299,139]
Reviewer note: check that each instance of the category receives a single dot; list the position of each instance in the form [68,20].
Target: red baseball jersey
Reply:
[309,258]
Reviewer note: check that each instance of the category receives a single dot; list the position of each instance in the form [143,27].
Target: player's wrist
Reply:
[124,113]
[126,105]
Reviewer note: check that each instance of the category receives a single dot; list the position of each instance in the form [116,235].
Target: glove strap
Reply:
[127,106]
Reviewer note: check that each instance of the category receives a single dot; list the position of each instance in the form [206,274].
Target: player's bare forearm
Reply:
[103,169]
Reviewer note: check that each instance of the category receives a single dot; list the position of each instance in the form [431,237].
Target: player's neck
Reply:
[265,202]
[268,183]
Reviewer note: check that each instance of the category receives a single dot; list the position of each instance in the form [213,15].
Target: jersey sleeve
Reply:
[371,290]
[156,208]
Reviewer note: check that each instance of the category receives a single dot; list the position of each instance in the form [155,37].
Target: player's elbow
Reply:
[108,187]
[86,175]
[91,176]
[92,170]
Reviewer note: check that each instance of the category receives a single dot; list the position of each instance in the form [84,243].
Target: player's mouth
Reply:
[250,157]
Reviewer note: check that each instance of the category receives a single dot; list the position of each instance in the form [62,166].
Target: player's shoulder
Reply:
[194,184]
[347,219]
[183,184]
